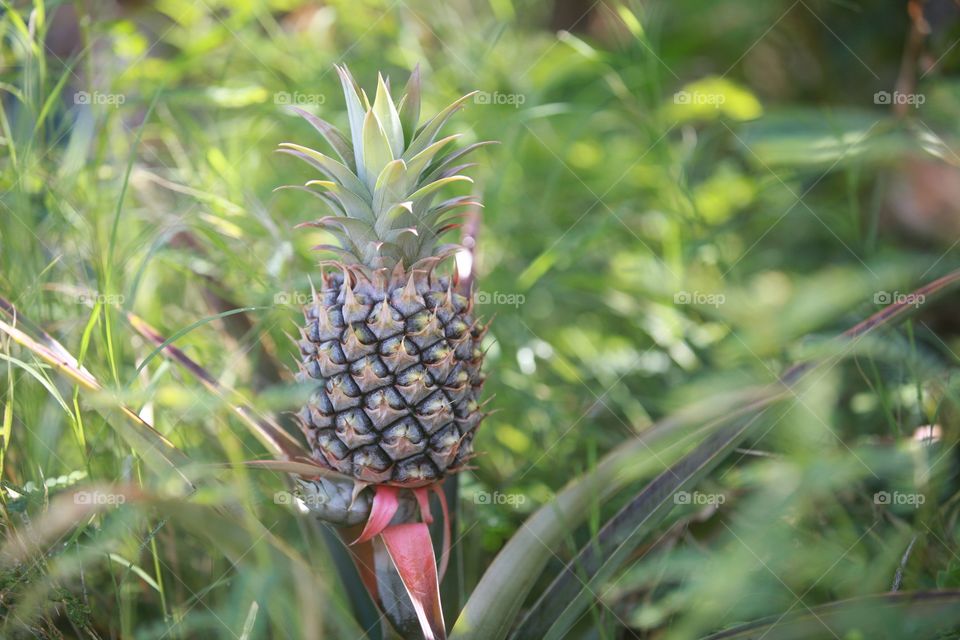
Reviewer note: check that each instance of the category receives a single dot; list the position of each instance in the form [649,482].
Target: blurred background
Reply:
[686,198]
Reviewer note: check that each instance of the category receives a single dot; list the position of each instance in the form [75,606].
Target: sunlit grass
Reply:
[640,255]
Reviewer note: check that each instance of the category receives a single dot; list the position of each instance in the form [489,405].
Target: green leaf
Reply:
[437,185]
[435,171]
[358,231]
[386,113]
[919,614]
[428,133]
[563,603]
[264,427]
[497,598]
[353,205]
[495,601]
[332,135]
[355,114]
[390,189]
[157,451]
[409,111]
[419,163]
[327,165]
[813,138]
[376,149]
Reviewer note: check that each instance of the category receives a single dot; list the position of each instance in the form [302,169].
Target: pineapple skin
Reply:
[397,361]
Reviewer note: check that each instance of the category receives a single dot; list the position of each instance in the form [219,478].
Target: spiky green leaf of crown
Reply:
[383,186]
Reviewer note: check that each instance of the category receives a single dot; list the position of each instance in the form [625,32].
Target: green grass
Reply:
[786,210]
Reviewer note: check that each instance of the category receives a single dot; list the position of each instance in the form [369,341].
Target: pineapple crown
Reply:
[383,184]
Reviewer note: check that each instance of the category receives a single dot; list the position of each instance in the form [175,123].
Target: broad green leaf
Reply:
[811,138]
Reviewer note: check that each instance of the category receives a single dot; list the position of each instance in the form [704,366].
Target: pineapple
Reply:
[389,339]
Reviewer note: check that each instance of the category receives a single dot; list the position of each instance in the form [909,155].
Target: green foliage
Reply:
[686,198]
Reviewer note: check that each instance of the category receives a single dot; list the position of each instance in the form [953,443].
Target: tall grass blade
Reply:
[920,614]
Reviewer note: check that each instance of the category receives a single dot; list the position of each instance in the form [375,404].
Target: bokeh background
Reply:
[686,198]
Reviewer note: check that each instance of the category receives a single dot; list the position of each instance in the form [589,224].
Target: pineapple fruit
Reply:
[390,339]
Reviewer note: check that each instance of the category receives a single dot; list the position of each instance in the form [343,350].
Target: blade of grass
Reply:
[231,534]
[267,430]
[918,614]
[7,416]
[156,449]
[112,244]
[182,332]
